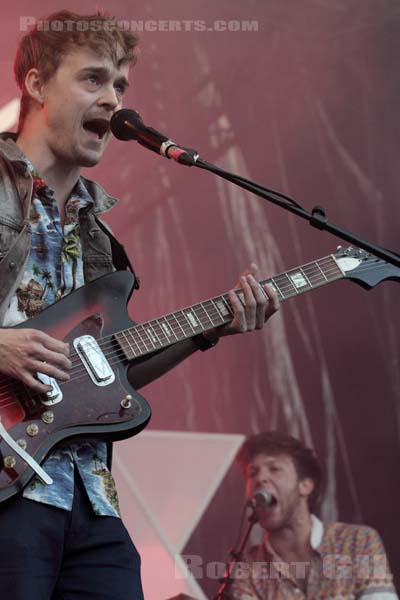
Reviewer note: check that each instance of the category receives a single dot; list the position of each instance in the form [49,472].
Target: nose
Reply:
[262,479]
[109,98]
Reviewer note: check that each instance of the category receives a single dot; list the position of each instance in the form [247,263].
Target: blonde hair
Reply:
[51,38]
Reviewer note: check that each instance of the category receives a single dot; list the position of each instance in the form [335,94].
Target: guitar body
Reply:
[86,409]
[98,402]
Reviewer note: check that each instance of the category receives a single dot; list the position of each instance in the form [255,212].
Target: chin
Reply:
[272,522]
[89,163]
[85,160]
[89,157]
[270,525]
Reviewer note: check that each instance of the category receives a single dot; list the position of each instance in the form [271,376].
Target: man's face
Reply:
[277,475]
[79,101]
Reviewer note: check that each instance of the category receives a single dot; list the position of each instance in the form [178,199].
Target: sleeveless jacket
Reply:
[16,187]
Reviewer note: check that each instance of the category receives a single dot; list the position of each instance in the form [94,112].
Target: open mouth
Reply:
[272,506]
[262,499]
[98,127]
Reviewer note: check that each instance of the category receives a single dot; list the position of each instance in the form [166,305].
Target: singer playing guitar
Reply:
[66,539]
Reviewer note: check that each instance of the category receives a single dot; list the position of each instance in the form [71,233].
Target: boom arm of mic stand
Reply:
[226,583]
[317,218]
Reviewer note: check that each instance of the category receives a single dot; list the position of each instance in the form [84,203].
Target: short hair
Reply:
[52,37]
[304,459]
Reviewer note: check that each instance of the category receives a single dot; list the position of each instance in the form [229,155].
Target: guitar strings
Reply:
[286,287]
[77,370]
[215,319]
[182,322]
[116,354]
[211,316]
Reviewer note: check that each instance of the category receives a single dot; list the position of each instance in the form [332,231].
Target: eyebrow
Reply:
[105,72]
[269,460]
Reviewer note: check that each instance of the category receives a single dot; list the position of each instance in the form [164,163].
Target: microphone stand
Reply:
[236,556]
[317,218]
[127,124]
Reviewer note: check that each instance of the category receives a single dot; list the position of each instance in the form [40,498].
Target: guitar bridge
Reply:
[94,360]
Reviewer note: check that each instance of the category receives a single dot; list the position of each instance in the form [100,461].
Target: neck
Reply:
[292,541]
[61,176]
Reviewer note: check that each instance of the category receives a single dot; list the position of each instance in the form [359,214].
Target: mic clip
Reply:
[185,156]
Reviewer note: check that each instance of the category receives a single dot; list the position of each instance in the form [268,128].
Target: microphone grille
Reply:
[125,122]
[262,498]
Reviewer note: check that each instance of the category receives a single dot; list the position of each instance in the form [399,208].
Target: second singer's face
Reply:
[277,475]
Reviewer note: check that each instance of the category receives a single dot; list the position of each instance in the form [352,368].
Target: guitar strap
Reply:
[8,263]
[122,263]
[119,256]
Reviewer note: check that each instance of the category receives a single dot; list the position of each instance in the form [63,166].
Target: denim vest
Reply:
[16,187]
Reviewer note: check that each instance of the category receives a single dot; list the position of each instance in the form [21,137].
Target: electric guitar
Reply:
[98,402]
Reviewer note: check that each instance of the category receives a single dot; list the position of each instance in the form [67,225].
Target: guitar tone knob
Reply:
[32,429]
[9,462]
[48,417]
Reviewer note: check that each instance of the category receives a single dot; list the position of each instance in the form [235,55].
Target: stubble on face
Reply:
[72,97]
[277,475]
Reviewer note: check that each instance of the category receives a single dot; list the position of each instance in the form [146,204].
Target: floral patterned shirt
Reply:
[54,269]
[349,564]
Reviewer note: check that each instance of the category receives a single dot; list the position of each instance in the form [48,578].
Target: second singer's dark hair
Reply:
[304,459]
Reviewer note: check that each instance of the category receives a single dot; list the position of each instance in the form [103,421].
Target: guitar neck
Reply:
[172,328]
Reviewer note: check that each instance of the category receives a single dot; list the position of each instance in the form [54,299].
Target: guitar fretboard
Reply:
[167,330]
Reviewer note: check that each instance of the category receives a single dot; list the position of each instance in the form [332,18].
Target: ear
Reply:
[306,487]
[34,85]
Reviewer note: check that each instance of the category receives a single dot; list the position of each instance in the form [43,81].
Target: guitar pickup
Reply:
[94,360]
[54,396]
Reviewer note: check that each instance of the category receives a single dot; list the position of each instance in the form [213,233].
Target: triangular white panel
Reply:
[166,480]
[9,114]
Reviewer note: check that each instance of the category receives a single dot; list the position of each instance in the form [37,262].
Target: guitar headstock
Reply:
[363,268]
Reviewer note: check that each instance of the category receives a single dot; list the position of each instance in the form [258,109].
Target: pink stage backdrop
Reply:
[306,102]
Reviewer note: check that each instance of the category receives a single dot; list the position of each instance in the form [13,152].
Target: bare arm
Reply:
[260,303]
[146,371]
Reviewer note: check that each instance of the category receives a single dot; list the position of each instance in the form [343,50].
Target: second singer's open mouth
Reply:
[271,504]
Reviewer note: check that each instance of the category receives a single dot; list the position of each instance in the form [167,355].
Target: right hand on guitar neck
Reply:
[25,352]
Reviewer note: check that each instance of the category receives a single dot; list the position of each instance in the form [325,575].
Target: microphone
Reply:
[260,499]
[126,124]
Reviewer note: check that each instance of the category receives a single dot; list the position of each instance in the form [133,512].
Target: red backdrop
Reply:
[307,104]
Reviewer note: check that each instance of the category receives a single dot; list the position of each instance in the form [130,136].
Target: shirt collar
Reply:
[79,191]
[9,149]
[316,536]
[317,532]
